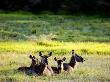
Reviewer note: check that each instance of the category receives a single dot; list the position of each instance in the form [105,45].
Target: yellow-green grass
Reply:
[94,69]
[58,48]
[88,36]
[15,54]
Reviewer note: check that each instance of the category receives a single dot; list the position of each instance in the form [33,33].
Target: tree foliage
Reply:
[56,5]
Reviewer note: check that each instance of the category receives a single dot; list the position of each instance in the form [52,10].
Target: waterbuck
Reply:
[47,70]
[31,68]
[59,67]
[73,61]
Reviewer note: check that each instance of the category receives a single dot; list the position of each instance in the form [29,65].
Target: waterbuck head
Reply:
[44,58]
[79,58]
[60,63]
[34,60]
[76,58]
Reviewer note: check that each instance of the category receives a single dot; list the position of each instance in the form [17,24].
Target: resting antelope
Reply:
[74,59]
[30,69]
[40,68]
[59,67]
[47,70]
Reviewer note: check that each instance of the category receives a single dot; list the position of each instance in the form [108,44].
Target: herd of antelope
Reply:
[43,68]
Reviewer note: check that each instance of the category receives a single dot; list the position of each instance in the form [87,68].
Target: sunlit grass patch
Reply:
[95,68]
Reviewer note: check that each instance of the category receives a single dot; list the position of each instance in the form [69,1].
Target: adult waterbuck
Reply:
[73,62]
[47,70]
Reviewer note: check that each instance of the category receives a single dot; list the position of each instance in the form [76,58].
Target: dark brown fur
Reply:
[31,68]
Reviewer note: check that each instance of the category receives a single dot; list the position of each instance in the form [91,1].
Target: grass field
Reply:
[54,27]
[94,69]
[22,35]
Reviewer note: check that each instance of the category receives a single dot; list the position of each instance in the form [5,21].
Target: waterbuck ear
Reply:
[50,54]
[72,51]
[40,54]
[64,58]
[30,56]
[55,59]
[34,57]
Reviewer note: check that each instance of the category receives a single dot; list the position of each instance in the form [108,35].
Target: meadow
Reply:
[66,28]
[25,34]
[94,69]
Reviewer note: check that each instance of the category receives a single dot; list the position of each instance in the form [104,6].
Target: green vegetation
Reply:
[22,35]
[54,27]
